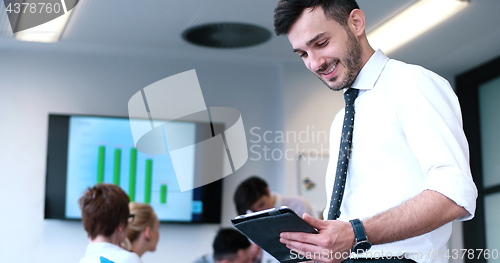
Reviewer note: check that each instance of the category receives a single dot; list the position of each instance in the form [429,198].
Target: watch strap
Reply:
[359,230]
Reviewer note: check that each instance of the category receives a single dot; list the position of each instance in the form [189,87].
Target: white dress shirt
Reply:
[407,138]
[109,251]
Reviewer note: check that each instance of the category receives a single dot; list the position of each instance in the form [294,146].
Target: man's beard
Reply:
[352,62]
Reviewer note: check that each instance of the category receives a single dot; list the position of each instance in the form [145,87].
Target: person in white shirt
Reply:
[105,215]
[408,172]
[143,234]
[253,194]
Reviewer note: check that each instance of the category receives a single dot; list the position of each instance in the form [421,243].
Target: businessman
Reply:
[402,170]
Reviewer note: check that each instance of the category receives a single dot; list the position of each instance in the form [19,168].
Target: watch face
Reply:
[362,246]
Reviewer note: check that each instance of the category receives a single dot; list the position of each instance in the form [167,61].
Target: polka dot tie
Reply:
[345,148]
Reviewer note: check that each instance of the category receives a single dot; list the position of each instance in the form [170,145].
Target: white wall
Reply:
[310,107]
[33,84]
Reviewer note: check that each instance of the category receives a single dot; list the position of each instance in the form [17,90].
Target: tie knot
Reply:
[350,95]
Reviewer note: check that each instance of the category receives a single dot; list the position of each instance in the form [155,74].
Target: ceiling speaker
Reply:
[226,35]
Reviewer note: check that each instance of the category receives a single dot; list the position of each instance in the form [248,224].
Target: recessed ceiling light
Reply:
[48,32]
[40,22]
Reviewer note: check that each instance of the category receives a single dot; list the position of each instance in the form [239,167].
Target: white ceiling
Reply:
[466,40]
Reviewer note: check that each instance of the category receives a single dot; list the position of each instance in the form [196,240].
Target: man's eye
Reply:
[303,55]
[322,44]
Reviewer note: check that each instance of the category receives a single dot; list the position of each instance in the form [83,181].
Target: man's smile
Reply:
[329,73]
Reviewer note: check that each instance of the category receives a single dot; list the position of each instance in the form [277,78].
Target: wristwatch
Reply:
[362,243]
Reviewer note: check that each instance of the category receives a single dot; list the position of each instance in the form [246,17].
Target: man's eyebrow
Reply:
[310,42]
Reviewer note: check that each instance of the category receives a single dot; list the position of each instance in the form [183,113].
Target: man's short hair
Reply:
[104,207]
[288,11]
[227,243]
[248,192]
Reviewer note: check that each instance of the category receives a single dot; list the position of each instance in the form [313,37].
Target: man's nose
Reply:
[316,62]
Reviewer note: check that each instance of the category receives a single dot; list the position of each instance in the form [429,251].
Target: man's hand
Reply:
[332,244]
[419,215]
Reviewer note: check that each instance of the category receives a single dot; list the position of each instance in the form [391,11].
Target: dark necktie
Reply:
[345,148]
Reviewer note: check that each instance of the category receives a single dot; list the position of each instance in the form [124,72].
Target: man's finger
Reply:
[303,248]
[314,222]
[297,236]
[313,239]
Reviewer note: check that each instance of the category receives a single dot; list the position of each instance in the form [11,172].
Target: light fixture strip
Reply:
[48,32]
[412,22]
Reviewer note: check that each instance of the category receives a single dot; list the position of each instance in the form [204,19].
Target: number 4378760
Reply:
[34,8]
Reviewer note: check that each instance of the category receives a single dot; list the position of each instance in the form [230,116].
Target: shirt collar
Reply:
[98,247]
[370,72]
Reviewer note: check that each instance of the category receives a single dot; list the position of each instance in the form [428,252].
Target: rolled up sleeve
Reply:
[430,116]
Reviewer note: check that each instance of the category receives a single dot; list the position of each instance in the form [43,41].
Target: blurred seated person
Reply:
[105,215]
[253,194]
[143,231]
[230,246]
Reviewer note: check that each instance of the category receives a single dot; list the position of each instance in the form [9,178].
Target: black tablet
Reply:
[264,228]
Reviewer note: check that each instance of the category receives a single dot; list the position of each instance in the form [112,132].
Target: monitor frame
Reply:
[56,175]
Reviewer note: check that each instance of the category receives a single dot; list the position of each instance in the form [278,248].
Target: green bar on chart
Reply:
[147,187]
[131,178]
[116,169]
[163,194]
[100,165]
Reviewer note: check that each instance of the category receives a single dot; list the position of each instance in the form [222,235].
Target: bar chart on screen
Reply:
[132,174]
[101,150]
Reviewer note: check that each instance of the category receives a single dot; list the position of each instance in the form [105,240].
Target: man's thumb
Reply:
[314,222]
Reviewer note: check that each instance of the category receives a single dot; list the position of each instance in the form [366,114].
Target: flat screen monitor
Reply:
[86,150]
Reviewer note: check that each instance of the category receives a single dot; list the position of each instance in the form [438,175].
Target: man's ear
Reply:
[356,22]
[120,228]
[147,233]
